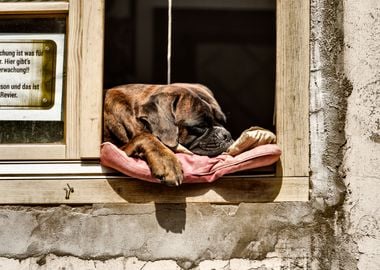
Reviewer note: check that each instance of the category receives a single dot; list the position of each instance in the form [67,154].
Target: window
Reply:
[67,156]
[70,133]
[53,113]
[222,48]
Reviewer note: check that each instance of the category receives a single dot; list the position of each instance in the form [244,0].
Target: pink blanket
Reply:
[196,169]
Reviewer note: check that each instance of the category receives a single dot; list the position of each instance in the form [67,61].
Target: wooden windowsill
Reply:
[227,190]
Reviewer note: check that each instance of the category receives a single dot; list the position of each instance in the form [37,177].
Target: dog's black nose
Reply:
[223,134]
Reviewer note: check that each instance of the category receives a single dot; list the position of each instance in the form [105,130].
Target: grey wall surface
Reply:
[337,229]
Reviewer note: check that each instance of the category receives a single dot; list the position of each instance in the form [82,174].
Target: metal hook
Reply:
[68,190]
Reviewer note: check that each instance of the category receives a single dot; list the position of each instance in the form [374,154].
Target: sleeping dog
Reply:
[154,121]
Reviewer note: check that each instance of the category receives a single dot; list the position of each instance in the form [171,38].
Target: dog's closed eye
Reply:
[196,130]
[145,123]
[175,103]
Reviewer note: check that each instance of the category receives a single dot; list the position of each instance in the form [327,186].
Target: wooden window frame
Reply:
[49,181]
[82,114]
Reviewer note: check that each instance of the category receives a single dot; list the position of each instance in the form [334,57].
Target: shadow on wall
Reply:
[171,217]
[170,202]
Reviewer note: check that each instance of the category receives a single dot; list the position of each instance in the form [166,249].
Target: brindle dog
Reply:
[154,121]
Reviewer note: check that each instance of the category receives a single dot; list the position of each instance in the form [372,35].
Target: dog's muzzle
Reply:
[213,142]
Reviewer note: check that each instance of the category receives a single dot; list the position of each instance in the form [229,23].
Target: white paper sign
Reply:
[31,71]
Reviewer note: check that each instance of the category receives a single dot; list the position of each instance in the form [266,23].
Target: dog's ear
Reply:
[215,109]
[157,116]
[218,114]
[207,96]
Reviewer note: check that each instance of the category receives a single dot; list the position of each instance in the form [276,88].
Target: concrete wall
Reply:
[337,229]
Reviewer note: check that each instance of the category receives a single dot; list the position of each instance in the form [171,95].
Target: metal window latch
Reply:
[68,190]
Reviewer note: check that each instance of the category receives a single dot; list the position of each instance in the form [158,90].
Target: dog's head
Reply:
[188,115]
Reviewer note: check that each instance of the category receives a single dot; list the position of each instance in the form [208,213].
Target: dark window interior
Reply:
[231,50]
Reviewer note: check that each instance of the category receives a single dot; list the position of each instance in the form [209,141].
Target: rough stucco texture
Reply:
[362,160]
[337,229]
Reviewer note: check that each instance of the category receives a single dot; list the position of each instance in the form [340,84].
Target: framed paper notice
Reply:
[31,76]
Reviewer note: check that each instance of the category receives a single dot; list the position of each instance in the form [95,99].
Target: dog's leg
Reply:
[162,161]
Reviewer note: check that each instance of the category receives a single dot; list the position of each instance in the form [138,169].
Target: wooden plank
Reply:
[74,76]
[84,79]
[34,7]
[91,91]
[40,169]
[31,151]
[292,84]
[227,190]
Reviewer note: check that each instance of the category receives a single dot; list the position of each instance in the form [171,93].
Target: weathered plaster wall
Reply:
[337,229]
[362,160]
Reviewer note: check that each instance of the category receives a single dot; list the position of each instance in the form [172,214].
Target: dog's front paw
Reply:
[162,162]
[167,169]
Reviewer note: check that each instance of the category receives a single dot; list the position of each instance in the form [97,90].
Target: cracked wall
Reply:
[337,229]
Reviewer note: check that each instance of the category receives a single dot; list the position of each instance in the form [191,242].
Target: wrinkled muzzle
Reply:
[213,142]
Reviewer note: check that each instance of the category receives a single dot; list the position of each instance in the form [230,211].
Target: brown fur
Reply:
[151,120]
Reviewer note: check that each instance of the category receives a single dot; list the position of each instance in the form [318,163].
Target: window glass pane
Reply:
[31,131]
[31,77]
[32,24]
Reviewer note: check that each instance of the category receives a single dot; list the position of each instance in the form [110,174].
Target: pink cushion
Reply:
[196,169]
